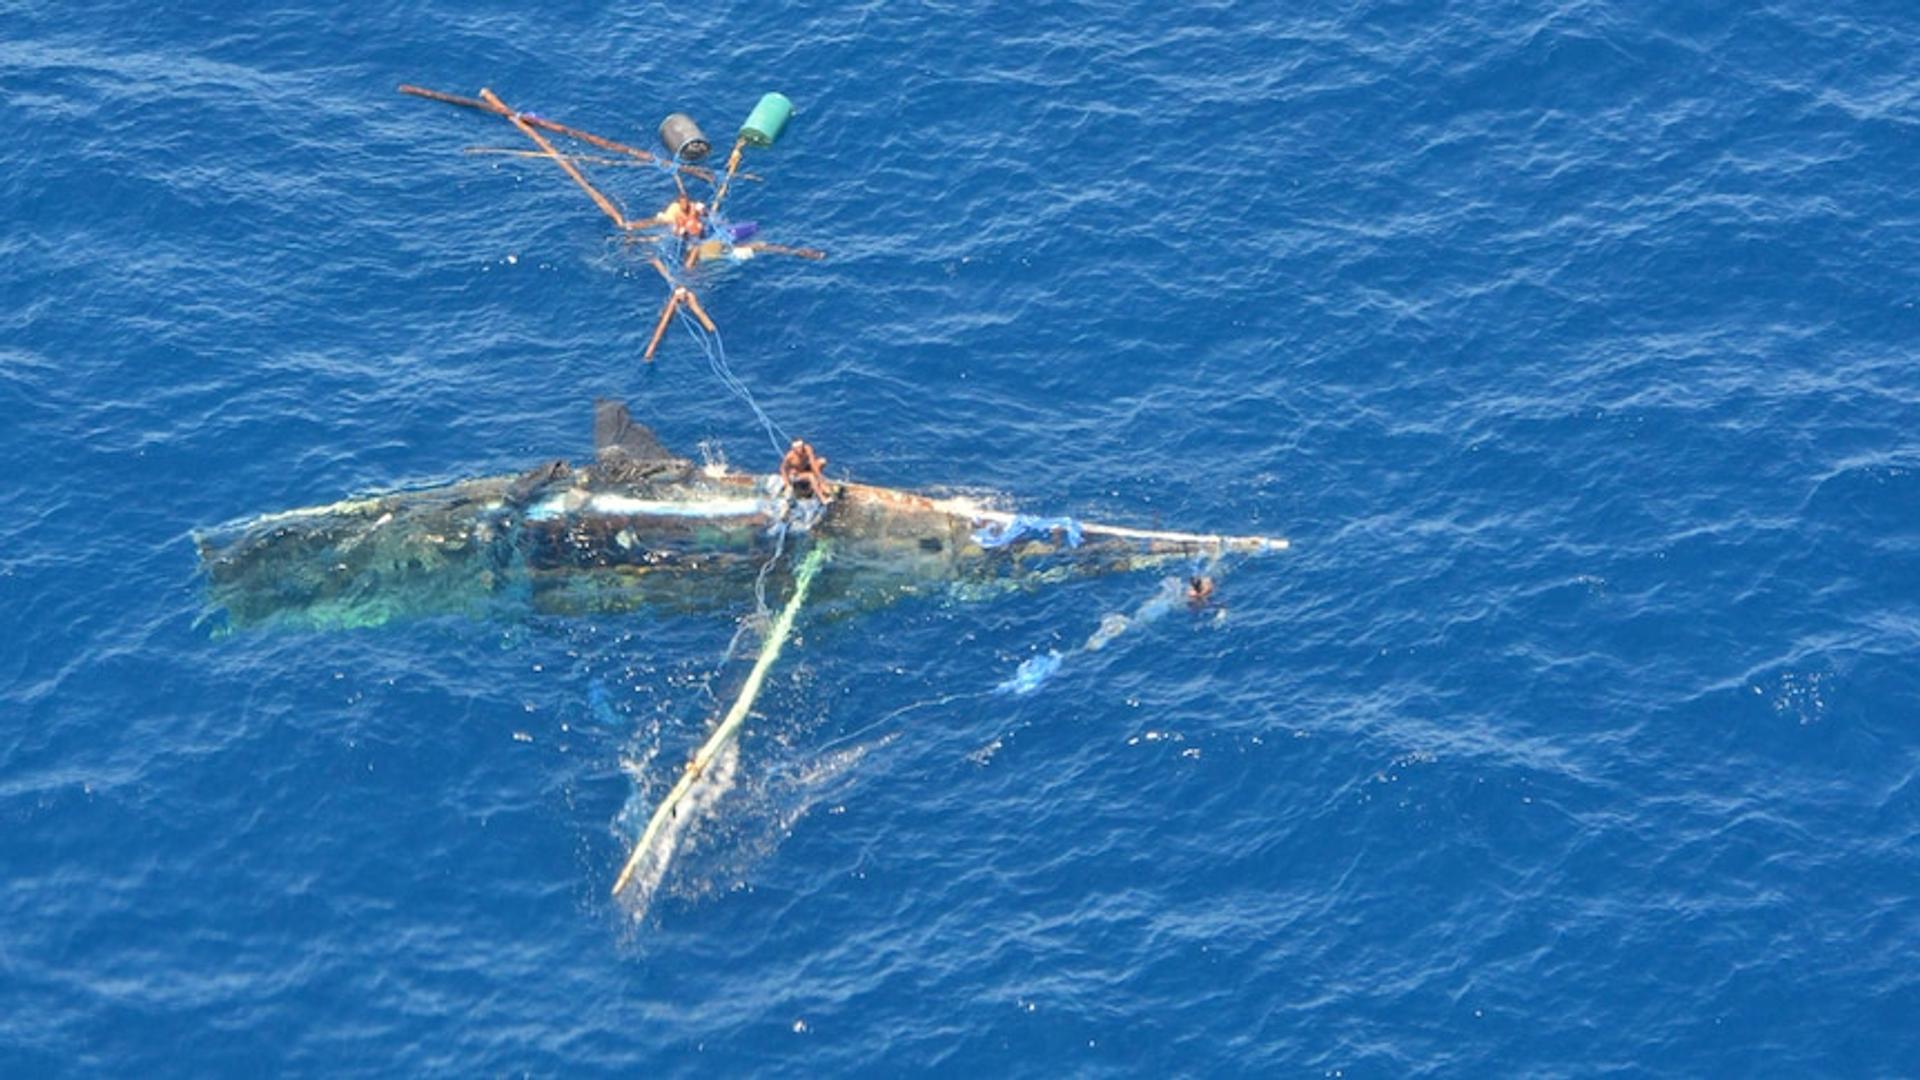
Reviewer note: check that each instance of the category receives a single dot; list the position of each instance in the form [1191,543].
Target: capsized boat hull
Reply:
[640,529]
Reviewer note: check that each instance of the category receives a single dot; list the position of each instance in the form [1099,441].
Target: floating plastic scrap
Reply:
[996,535]
[1030,675]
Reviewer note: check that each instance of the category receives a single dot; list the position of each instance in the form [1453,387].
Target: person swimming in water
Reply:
[1199,591]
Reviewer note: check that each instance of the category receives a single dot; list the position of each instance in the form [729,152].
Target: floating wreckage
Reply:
[637,528]
[641,527]
[687,232]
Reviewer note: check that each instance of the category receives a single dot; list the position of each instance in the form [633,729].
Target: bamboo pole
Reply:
[699,312]
[605,204]
[733,163]
[578,159]
[661,269]
[557,128]
[666,315]
[1182,541]
[781,249]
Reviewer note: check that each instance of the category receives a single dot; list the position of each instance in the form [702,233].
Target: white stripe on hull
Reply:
[627,506]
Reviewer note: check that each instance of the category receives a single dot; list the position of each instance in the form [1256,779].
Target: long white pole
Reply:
[722,735]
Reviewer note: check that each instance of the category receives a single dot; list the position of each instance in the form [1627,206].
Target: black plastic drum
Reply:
[683,138]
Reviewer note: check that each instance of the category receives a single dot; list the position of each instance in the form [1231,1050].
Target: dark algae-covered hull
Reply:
[639,528]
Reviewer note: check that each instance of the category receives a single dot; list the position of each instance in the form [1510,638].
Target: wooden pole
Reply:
[578,159]
[605,204]
[782,249]
[666,316]
[699,312]
[557,128]
[732,164]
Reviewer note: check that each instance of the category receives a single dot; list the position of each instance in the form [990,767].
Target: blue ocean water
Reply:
[1571,343]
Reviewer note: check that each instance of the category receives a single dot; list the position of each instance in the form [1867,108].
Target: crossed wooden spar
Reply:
[489,102]
[531,126]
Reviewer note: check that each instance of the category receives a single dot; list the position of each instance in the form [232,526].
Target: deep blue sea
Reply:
[1572,344]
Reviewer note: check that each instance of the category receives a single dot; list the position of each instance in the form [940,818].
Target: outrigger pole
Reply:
[577,159]
[730,725]
[762,127]
[605,204]
[680,295]
[1162,537]
[557,128]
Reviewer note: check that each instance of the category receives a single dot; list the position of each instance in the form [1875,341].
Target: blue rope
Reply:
[996,535]
[673,249]
[715,351]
